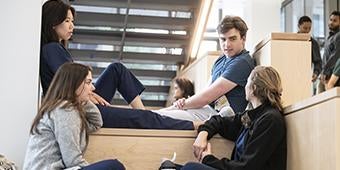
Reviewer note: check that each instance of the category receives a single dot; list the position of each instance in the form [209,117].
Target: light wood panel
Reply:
[144,149]
[290,55]
[313,132]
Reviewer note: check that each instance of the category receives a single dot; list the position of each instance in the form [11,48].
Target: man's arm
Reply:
[220,87]
[316,59]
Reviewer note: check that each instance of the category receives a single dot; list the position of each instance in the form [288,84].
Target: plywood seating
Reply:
[290,55]
[313,136]
[141,149]
[313,132]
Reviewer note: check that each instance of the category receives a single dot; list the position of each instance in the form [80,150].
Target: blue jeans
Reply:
[105,165]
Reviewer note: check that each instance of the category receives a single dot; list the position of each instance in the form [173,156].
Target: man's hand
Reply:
[206,152]
[314,77]
[322,78]
[180,103]
[96,99]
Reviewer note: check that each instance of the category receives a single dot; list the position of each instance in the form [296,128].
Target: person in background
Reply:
[332,50]
[334,81]
[259,133]
[183,88]
[57,28]
[304,26]
[60,131]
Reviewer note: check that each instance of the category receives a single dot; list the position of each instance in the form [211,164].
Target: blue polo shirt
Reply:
[237,70]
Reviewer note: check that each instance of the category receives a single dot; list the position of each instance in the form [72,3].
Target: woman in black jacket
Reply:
[259,133]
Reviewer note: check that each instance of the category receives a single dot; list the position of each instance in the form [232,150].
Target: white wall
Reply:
[262,18]
[19,65]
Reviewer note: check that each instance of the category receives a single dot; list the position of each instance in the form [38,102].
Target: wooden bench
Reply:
[144,149]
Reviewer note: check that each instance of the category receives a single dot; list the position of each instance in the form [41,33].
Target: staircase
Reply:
[149,37]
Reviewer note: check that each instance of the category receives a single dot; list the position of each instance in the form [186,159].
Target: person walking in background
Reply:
[332,49]
[304,26]
[60,131]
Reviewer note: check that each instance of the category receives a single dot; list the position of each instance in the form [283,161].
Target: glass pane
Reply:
[150,82]
[139,66]
[83,8]
[179,32]
[145,30]
[138,49]
[148,96]
[318,18]
[93,47]
[147,12]
[298,11]
[100,28]
[139,30]
[179,14]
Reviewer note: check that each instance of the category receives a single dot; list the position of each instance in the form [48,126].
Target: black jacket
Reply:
[265,143]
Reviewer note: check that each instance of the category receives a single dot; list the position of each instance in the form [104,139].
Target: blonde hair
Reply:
[266,85]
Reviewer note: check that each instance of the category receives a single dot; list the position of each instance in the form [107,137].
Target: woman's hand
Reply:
[206,152]
[197,124]
[96,99]
[180,103]
[200,144]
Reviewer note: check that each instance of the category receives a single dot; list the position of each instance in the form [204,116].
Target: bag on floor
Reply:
[5,164]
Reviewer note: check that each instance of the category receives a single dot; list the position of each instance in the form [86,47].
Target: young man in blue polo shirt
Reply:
[230,71]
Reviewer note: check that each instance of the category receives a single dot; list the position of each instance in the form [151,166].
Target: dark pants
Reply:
[196,166]
[114,117]
[105,165]
[117,77]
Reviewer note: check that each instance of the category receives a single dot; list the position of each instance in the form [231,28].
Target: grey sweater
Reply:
[61,144]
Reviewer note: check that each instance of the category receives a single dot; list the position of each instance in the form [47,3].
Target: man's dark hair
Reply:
[229,22]
[336,13]
[54,12]
[304,19]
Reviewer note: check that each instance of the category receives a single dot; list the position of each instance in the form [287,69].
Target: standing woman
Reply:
[60,131]
[259,133]
[57,28]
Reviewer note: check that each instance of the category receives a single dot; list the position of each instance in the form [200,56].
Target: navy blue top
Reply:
[52,56]
[237,70]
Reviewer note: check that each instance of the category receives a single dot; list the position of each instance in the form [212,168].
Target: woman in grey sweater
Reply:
[59,133]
